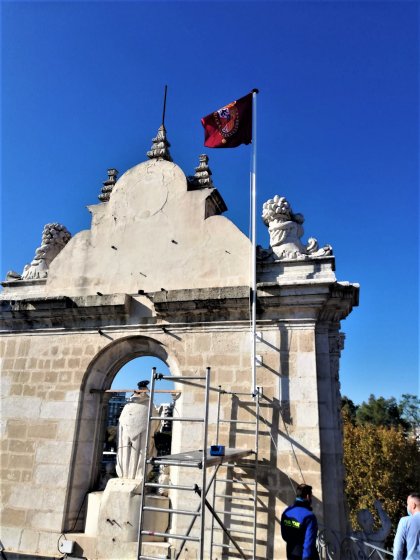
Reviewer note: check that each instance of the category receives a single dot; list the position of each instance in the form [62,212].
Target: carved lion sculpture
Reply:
[285,229]
[54,238]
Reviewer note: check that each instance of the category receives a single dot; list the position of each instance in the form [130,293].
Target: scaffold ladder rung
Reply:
[232,530]
[239,465]
[233,513]
[170,486]
[170,536]
[230,497]
[236,422]
[142,557]
[234,481]
[178,419]
[168,510]
[221,545]
[183,377]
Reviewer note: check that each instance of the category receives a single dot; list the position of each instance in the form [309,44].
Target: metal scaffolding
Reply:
[224,488]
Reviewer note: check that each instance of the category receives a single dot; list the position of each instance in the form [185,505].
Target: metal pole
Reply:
[214,487]
[145,450]
[257,429]
[253,240]
[164,106]
[218,414]
[204,463]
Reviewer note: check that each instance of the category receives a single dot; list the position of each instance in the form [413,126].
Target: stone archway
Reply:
[91,414]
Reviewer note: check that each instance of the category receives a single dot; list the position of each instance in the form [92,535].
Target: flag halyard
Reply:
[229,126]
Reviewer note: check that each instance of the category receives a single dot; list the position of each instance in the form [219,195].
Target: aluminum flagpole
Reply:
[254,243]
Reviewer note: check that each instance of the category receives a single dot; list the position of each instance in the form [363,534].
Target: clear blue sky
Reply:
[338,124]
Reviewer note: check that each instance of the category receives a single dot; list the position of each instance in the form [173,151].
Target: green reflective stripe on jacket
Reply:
[291,523]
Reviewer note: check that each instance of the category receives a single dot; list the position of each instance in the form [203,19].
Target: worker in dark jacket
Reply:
[299,527]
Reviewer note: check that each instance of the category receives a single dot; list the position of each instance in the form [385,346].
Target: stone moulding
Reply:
[293,271]
[64,312]
[312,301]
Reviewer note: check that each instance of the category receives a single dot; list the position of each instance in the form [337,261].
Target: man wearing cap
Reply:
[299,527]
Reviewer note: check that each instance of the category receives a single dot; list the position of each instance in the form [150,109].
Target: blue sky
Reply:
[338,124]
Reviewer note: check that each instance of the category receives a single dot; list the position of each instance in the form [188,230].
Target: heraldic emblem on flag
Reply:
[229,126]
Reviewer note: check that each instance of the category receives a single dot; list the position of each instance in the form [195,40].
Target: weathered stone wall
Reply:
[41,382]
[289,444]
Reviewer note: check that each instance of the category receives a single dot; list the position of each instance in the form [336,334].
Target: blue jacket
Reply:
[407,538]
[299,528]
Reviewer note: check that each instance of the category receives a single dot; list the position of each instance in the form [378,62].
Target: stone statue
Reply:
[164,478]
[54,238]
[132,427]
[367,522]
[285,229]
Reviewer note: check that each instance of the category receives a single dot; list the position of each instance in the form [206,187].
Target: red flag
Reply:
[229,126]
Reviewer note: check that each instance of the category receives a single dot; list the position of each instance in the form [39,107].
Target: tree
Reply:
[381,463]
[111,437]
[409,407]
[348,409]
[380,412]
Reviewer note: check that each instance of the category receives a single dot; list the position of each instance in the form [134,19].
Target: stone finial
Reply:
[202,176]
[108,185]
[285,229]
[160,146]
[54,238]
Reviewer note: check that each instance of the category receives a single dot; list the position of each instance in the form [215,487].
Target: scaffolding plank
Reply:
[194,458]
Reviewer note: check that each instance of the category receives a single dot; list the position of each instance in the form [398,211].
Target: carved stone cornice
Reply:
[300,302]
[343,297]
[205,304]
[64,312]
[308,303]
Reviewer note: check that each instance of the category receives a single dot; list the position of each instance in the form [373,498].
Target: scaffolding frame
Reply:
[200,459]
[235,478]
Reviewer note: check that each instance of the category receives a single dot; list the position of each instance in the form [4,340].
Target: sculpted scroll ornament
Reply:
[285,229]
[54,238]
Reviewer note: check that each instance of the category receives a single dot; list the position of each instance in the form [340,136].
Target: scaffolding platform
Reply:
[195,458]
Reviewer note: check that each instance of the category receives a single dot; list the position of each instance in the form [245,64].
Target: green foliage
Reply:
[409,407]
[384,412]
[381,462]
[111,437]
[380,412]
[348,409]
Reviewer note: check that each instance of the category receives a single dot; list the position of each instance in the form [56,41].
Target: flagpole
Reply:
[254,243]
[164,106]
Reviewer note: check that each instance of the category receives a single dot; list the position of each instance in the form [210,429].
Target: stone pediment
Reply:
[154,233]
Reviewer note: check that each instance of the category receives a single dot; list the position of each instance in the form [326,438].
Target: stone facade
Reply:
[161,273]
